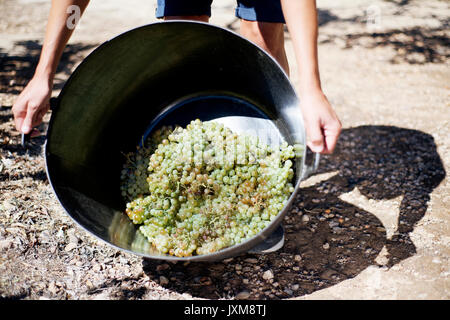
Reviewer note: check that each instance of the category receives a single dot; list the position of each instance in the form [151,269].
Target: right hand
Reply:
[322,124]
[32,104]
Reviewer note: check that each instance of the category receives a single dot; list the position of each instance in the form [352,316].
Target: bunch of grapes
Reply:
[203,188]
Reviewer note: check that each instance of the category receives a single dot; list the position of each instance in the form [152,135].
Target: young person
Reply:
[262,22]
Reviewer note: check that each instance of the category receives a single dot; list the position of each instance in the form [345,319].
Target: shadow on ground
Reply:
[337,240]
[413,45]
[17,69]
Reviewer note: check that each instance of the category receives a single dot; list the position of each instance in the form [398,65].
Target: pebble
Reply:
[5,244]
[338,229]
[288,291]
[163,280]
[297,257]
[251,260]
[70,247]
[326,246]
[97,267]
[162,267]
[333,224]
[242,295]
[267,275]
[305,218]
[89,284]
[295,287]
[8,163]
[52,287]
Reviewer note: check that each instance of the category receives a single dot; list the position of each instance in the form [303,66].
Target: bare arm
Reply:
[322,125]
[33,102]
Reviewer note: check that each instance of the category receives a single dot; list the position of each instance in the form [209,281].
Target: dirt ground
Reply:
[373,223]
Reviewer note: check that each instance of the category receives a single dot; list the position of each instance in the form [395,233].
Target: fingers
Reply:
[323,138]
[27,123]
[315,137]
[331,134]
[39,115]
[19,110]
[27,116]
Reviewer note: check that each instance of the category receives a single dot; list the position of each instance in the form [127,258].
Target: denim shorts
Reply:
[252,10]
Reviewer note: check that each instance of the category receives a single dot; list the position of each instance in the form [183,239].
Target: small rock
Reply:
[97,267]
[89,284]
[305,218]
[338,230]
[7,163]
[251,260]
[205,281]
[52,287]
[101,296]
[297,257]
[288,291]
[238,267]
[228,260]
[70,247]
[295,287]
[267,275]
[162,267]
[163,281]
[242,295]
[7,206]
[333,224]
[326,246]
[5,244]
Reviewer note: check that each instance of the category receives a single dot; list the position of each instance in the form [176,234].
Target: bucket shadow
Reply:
[327,239]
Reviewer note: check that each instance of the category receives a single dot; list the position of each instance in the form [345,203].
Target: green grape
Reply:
[199,189]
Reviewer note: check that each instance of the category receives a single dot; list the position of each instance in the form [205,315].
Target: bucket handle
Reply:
[310,166]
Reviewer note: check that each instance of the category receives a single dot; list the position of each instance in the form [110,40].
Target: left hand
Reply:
[322,124]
